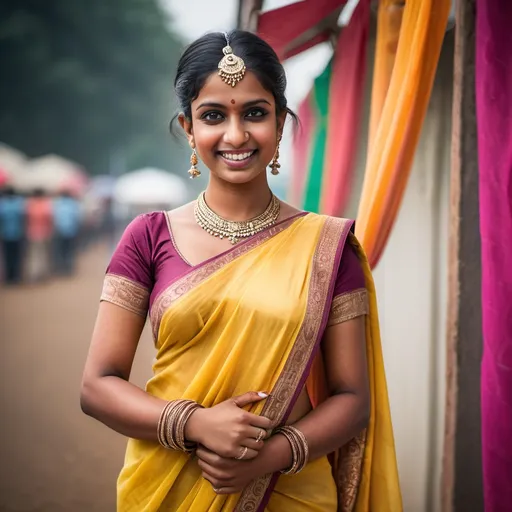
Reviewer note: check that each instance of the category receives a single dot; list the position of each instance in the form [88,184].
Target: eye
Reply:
[212,115]
[256,112]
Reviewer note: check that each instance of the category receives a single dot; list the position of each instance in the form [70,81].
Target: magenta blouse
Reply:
[148,256]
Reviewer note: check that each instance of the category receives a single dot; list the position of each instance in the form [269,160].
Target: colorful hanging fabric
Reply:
[345,102]
[494,125]
[274,26]
[389,22]
[392,150]
[302,144]
[313,184]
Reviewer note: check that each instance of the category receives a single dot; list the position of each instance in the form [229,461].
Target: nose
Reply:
[235,134]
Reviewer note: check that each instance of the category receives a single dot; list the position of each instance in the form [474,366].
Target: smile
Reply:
[237,157]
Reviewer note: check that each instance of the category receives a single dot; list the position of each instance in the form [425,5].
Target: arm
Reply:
[346,413]
[106,394]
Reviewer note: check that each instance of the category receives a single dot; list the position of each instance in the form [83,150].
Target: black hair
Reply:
[202,57]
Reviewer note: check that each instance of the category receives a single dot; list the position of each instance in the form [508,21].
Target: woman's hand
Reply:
[227,475]
[228,430]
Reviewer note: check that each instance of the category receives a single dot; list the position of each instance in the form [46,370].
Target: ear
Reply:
[281,118]
[186,124]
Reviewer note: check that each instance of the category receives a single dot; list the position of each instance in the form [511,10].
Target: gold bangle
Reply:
[300,448]
[172,422]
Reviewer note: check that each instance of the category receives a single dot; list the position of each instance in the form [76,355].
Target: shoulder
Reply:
[146,224]
[330,218]
[183,212]
[338,220]
[330,223]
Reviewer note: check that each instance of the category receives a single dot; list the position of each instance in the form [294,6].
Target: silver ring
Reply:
[217,490]
[261,435]
[242,455]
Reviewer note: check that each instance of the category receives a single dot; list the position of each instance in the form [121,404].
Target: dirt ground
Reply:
[53,457]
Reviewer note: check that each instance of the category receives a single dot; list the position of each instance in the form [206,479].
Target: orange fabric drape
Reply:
[392,151]
[389,21]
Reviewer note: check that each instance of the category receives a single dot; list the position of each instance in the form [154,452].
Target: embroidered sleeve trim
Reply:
[125,293]
[347,306]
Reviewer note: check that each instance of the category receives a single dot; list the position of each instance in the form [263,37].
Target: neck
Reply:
[238,202]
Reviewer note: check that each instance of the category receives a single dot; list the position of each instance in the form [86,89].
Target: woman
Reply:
[268,390]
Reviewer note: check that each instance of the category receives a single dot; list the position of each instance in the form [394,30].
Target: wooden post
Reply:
[248,14]
[462,488]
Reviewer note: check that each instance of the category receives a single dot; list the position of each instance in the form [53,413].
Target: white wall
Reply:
[411,282]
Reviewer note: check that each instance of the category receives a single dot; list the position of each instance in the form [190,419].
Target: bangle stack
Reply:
[300,449]
[171,425]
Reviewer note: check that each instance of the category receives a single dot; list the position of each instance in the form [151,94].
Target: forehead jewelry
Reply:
[231,67]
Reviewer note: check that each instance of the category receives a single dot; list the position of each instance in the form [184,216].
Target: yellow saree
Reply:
[252,319]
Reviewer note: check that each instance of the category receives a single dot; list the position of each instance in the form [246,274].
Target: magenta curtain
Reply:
[494,124]
[346,95]
[282,26]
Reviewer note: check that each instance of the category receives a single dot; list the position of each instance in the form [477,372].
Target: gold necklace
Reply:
[234,231]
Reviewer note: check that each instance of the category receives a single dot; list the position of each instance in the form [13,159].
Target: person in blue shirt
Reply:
[12,234]
[67,221]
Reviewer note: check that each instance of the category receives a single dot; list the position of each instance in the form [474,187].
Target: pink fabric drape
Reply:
[346,94]
[494,124]
[282,26]
[301,151]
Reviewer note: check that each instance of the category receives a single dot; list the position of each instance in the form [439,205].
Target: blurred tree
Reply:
[90,80]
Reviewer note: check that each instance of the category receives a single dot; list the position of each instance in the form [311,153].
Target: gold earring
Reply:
[275,165]
[194,171]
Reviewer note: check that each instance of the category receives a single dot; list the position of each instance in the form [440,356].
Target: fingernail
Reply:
[263,395]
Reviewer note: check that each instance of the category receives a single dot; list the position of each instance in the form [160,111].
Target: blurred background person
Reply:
[39,235]
[12,229]
[66,222]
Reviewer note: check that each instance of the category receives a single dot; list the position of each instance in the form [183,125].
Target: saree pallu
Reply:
[252,319]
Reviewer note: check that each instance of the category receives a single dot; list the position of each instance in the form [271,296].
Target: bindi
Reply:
[233,102]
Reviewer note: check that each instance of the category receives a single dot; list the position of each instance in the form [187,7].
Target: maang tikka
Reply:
[231,67]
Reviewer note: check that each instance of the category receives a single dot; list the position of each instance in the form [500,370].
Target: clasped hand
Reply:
[228,437]
[227,476]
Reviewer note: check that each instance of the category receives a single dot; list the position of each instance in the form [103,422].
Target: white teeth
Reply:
[237,156]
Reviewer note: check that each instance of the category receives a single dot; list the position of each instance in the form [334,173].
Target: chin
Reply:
[238,177]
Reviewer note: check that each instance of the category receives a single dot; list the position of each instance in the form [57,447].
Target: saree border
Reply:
[283,396]
[199,273]
[126,293]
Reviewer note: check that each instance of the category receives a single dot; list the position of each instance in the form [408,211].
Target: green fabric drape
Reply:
[313,189]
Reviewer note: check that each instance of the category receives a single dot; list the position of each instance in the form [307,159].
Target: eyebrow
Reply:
[220,105]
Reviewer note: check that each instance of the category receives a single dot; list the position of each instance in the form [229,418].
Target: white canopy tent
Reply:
[12,163]
[52,174]
[149,187]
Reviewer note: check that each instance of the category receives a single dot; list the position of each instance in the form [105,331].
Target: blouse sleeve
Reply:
[350,298]
[128,281]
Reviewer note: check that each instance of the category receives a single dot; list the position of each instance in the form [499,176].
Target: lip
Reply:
[238,164]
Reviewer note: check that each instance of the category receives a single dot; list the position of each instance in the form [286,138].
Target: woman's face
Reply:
[234,129]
